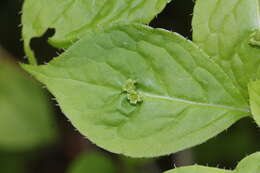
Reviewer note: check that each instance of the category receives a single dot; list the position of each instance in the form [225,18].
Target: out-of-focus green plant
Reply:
[26,119]
[93,162]
[12,163]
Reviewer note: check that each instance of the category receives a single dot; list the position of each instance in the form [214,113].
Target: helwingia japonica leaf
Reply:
[254,94]
[182,98]
[71,19]
[229,32]
[198,169]
[250,164]
[92,162]
[25,115]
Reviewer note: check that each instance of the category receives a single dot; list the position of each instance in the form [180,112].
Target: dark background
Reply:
[223,151]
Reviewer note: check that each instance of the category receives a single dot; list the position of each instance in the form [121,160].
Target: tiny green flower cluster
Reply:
[133,96]
[255,38]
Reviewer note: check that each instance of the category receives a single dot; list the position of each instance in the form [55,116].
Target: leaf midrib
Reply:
[165,97]
[195,103]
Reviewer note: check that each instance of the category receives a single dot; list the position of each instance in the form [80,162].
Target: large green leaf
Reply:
[198,169]
[92,163]
[181,98]
[71,19]
[248,165]
[226,30]
[254,93]
[25,115]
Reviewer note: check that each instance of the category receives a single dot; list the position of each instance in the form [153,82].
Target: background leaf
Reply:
[223,29]
[187,98]
[8,160]
[249,164]
[198,169]
[25,115]
[92,163]
[71,19]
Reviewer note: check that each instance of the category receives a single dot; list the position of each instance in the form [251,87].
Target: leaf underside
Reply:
[186,97]
[71,19]
[224,30]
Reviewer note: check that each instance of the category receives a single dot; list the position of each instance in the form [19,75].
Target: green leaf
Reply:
[227,31]
[92,163]
[254,93]
[248,165]
[25,115]
[71,19]
[182,98]
[198,169]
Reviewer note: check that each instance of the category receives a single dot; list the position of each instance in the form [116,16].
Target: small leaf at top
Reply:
[226,30]
[71,19]
[185,98]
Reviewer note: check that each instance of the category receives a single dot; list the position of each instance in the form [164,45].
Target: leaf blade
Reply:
[173,76]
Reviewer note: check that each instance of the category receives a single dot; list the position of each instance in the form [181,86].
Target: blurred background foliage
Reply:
[35,137]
